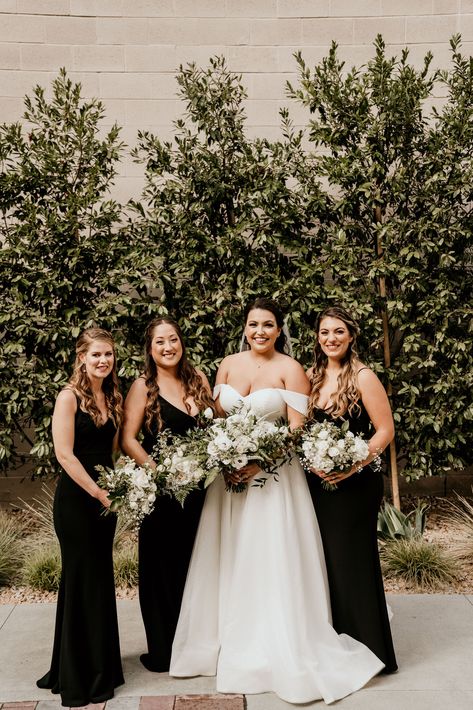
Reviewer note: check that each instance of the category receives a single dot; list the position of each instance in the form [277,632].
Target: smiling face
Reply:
[334,337]
[98,359]
[261,330]
[166,346]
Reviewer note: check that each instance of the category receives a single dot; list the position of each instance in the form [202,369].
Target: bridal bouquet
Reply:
[243,438]
[132,489]
[327,447]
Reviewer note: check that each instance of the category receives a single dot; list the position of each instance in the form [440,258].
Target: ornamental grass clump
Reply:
[125,564]
[42,566]
[10,548]
[421,564]
[42,514]
[462,523]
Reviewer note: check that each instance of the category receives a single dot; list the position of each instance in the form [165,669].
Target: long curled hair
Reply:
[347,395]
[193,384]
[80,384]
[268,304]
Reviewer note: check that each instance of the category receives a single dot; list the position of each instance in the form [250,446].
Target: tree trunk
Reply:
[387,364]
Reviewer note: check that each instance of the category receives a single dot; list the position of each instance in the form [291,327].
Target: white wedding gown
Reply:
[256,609]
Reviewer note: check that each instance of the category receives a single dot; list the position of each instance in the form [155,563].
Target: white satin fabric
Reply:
[255,610]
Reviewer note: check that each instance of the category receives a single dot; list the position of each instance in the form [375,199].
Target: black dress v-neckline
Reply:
[178,409]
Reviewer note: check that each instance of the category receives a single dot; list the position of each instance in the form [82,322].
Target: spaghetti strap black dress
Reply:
[86,664]
[165,543]
[347,519]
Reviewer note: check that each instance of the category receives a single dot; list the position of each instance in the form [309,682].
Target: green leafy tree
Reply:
[398,246]
[226,221]
[66,263]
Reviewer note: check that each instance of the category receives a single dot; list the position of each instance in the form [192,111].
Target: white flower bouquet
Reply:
[243,438]
[327,447]
[132,489]
[181,460]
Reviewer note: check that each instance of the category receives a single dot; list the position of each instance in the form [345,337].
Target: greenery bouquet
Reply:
[132,489]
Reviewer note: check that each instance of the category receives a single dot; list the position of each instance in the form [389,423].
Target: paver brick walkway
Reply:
[153,702]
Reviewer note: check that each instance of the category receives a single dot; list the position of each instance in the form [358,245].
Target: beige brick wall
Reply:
[127,51]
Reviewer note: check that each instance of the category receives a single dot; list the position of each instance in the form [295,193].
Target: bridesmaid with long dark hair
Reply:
[168,396]
[86,665]
[344,389]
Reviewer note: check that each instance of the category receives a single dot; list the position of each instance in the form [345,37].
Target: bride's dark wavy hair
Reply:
[268,304]
[348,394]
[193,384]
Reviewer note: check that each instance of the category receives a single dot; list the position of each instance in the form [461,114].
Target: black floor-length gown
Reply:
[86,664]
[166,539]
[347,519]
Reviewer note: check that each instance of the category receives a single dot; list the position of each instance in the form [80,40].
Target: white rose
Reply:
[241,461]
[140,478]
[322,447]
[208,414]
[223,442]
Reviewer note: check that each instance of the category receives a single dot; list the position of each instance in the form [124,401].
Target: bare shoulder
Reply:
[369,382]
[66,407]
[231,359]
[138,390]
[292,366]
[294,376]
[67,399]
[228,363]
[365,374]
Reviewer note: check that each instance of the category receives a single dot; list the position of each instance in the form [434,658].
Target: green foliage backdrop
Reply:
[377,188]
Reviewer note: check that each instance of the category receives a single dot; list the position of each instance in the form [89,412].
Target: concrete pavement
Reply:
[433,637]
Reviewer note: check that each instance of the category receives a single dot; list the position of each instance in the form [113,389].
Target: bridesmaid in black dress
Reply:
[168,395]
[86,665]
[343,389]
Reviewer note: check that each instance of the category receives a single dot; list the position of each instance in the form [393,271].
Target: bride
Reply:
[255,610]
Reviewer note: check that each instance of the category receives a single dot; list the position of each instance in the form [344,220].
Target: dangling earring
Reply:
[83,368]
